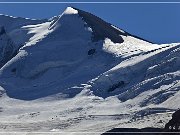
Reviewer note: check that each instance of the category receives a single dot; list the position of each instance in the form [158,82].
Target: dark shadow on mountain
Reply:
[33,94]
[6,47]
[102,29]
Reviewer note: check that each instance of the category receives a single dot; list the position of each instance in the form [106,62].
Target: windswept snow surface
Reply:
[77,73]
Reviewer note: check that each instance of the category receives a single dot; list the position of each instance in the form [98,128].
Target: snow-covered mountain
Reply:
[75,68]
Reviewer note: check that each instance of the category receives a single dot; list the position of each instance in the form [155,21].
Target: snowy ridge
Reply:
[10,22]
[76,70]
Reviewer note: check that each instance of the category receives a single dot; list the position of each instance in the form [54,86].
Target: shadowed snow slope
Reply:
[78,56]
[7,48]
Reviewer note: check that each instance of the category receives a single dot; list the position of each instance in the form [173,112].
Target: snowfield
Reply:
[76,74]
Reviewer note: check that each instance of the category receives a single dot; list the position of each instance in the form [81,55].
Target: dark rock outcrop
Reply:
[174,123]
[134,131]
[91,51]
[100,28]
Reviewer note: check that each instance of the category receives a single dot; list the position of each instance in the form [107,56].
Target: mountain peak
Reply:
[70,10]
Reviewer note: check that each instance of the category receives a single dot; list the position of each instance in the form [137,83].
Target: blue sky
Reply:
[159,23]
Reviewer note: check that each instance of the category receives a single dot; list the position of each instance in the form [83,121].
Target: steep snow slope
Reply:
[14,34]
[75,69]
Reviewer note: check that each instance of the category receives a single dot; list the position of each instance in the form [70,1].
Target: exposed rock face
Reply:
[100,28]
[174,123]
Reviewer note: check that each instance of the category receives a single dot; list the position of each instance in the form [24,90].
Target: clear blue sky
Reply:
[159,23]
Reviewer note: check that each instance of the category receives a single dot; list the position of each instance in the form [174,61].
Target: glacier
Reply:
[77,73]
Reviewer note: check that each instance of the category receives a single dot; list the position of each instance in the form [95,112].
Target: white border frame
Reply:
[88,2]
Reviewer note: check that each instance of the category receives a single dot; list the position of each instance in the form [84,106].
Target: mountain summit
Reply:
[75,68]
[100,29]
